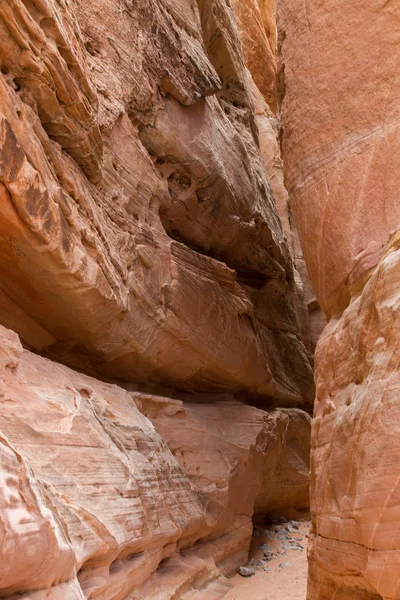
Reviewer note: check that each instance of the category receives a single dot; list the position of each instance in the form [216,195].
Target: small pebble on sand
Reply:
[270,534]
[260,563]
[265,547]
[246,571]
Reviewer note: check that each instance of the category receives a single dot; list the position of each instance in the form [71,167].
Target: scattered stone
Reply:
[265,547]
[269,534]
[267,569]
[256,533]
[282,537]
[252,562]
[298,539]
[285,564]
[268,557]
[260,563]
[246,571]
[294,524]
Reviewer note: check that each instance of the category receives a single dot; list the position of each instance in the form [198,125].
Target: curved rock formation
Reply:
[97,501]
[154,343]
[257,25]
[341,118]
[139,227]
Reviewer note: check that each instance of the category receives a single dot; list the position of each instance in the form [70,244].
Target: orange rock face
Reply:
[341,138]
[94,498]
[341,134]
[355,472]
[139,230]
[257,24]
[154,341]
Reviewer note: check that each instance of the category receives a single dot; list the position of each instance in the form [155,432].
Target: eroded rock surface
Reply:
[355,491]
[145,241]
[96,501]
[220,433]
[340,80]
[257,25]
[341,137]
[139,227]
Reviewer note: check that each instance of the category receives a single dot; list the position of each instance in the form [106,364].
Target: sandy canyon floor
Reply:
[286,582]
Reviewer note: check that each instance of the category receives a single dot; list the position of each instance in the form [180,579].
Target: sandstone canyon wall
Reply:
[258,32]
[155,352]
[340,88]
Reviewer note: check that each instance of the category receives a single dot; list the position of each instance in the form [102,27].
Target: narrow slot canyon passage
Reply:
[284,574]
[199,300]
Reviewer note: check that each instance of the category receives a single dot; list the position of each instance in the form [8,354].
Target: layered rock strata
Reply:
[149,301]
[257,26]
[341,133]
[139,234]
[96,501]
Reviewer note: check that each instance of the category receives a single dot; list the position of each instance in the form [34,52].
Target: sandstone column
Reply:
[339,83]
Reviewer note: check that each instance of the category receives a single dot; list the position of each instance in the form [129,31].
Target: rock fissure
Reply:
[177,177]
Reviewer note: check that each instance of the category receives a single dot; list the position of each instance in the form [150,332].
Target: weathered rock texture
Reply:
[340,81]
[355,499]
[145,240]
[95,503]
[257,25]
[139,234]
[220,434]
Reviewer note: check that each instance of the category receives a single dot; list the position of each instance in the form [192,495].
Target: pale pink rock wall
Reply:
[98,501]
[138,222]
[141,243]
[340,111]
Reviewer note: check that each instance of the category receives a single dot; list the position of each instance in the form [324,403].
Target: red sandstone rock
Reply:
[341,137]
[355,472]
[92,496]
[138,223]
[311,321]
[257,24]
[140,240]
[339,81]
[220,434]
